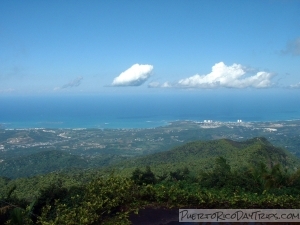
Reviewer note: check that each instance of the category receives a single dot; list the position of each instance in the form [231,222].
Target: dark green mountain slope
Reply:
[201,155]
[196,156]
[68,197]
[50,161]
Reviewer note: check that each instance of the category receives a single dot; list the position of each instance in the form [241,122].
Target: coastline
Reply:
[158,124]
[141,112]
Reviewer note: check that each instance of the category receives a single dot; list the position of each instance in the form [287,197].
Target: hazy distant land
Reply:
[135,142]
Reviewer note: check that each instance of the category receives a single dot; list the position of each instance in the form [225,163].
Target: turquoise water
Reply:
[132,111]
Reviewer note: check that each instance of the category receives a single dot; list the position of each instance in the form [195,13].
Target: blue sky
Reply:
[55,47]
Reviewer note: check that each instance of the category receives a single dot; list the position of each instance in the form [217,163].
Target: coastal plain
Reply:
[91,143]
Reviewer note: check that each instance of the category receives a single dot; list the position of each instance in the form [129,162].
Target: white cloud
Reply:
[166,85]
[295,86]
[227,76]
[159,85]
[154,84]
[292,47]
[136,75]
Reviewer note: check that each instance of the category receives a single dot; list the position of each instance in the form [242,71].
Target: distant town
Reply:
[133,142]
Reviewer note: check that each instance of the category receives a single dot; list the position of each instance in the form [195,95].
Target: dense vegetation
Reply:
[198,156]
[269,180]
[54,160]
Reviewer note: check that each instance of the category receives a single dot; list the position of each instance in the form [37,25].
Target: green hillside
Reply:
[196,156]
[200,155]
[50,161]
[213,174]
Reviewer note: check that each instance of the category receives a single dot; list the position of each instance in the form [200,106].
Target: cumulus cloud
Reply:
[74,83]
[136,75]
[292,47]
[227,76]
[295,86]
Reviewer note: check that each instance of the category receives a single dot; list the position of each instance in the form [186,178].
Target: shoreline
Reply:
[165,124]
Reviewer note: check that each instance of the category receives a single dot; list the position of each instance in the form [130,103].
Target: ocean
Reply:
[146,110]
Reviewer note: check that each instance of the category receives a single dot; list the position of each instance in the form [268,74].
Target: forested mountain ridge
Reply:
[199,155]
[212,174]
[196,155]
